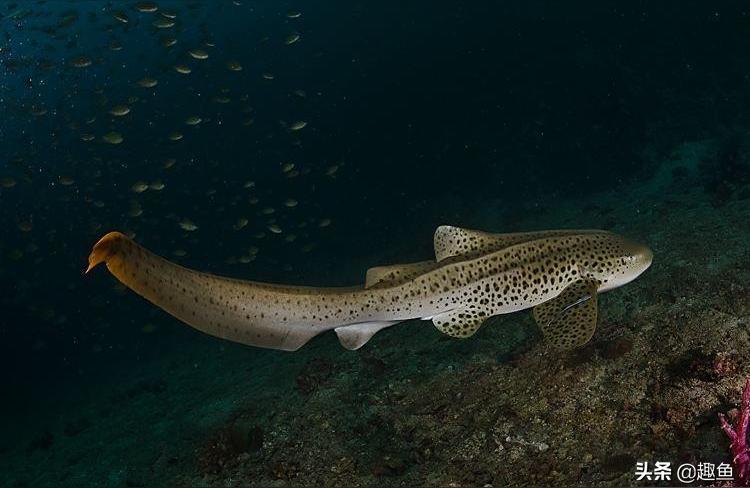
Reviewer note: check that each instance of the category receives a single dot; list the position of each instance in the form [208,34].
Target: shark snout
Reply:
[641,256]
[646,257]
[635,258]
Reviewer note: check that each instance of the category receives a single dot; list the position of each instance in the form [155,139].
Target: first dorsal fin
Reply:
[455,241]
[452,241]
[382,275]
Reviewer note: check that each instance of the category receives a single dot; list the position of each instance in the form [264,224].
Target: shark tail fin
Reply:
[222,307]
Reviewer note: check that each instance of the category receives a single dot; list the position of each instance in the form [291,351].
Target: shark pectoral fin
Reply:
[569,320]
[355,336]
[462,322]
[383,275]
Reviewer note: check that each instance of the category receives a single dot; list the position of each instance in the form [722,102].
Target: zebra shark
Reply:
[475,275]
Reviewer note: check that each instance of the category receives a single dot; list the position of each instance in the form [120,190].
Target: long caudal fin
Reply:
[242,311]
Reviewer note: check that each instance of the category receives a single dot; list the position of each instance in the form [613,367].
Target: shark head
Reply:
[620,262]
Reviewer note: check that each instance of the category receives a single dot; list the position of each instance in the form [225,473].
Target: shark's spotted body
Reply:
[475,275]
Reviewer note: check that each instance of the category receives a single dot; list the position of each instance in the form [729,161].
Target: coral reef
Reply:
[737,433]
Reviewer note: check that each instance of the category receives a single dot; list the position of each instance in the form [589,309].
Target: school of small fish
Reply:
[136,116]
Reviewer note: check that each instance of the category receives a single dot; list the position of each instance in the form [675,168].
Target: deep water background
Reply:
[470,114]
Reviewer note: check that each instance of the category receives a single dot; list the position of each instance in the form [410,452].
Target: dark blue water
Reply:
[428,113]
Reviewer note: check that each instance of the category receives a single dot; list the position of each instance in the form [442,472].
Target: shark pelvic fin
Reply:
[354,336]
[461,322]
[386,275]
[569,320]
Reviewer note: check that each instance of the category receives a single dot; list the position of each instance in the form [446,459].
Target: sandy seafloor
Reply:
[415,408]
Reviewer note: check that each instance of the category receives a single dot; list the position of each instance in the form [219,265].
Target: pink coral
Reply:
[738,435]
